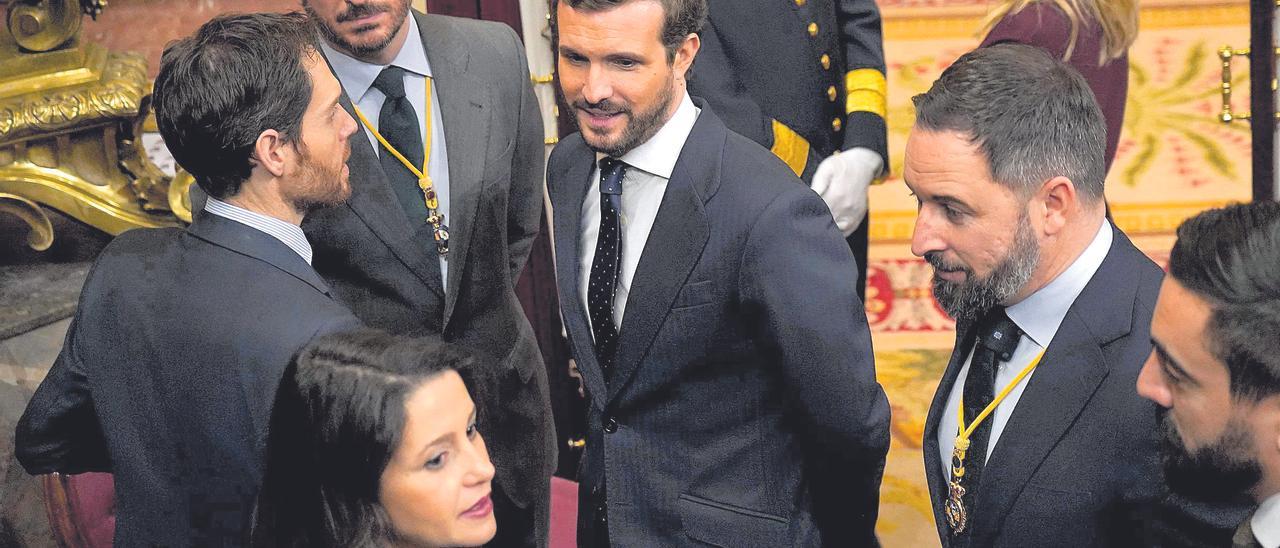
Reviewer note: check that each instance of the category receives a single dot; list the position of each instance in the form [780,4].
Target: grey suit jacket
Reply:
[744,409]
[368,252]
[1078,462]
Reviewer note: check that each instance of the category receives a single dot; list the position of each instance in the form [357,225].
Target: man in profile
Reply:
[447,173]
[1035,436]
[171,363]
[1215,373]
[725,353]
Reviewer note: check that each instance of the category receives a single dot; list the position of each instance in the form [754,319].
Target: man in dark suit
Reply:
[1035,436]
[454,95]
[726,357]
[1213,373]
[804,78]
[172,361]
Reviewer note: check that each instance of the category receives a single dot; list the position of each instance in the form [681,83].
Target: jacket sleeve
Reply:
[59,431]
[866,93]
[525,205]
[714,79]
[826,359]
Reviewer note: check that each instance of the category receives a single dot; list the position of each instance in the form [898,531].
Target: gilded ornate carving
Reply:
[117,95]
[70,117]
[40,237]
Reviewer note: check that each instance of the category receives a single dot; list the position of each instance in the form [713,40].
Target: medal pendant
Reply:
[441,233]
[957,518]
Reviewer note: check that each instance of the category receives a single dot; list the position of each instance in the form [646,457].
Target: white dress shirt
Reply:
[357,79]
[1266,522]
[1038,316]
[643,185]
[289,234]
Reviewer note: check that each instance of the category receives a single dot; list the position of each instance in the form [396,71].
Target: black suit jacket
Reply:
[1078,462]
[368,252]
[168,374]
[744,409]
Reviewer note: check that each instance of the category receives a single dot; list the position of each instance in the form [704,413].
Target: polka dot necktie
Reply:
[603,283]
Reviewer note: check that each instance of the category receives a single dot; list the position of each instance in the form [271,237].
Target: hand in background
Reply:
[842,180]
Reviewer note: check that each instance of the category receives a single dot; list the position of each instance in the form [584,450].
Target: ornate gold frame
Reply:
[70,117]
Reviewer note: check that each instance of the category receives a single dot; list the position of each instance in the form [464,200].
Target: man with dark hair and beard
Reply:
[171,364]
[1035,436]
[1214,372]
[731,388]
[446,177]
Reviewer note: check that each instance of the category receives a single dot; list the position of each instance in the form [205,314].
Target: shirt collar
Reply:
[1040,314]
[1266,522]
[357,76]
[289,234]
[658,155]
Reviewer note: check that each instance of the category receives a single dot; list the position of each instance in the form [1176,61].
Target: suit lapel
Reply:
[1073,367]
[570,187]
[376,205]
[932,460]
[463,105]
[680,232]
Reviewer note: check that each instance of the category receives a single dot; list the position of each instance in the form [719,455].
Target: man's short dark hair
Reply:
[219,89]
[1229,257]
[680,18]
[1033,117]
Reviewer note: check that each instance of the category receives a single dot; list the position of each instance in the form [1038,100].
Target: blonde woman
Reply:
[1093,36]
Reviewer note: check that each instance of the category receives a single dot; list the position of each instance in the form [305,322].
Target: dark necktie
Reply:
[997,337]
[398,123]
[603,283]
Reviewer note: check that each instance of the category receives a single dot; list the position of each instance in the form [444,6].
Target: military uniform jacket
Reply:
[804,78]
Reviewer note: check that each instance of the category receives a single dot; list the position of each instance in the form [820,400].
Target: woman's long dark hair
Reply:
[338,418]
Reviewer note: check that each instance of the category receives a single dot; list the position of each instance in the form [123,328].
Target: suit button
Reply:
[813,29]
[826,61]
[610,425]
[831,93]
[835,124]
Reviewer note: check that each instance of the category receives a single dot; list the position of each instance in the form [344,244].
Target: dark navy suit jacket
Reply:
[744,409]
[1078,463]
[168,373]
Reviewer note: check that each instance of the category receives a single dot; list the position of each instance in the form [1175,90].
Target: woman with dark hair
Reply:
[373,442]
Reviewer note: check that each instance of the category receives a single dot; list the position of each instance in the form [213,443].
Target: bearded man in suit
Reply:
[727,361]
[1035,436]
[437,232]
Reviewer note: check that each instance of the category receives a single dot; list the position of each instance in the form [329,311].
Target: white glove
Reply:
[842,180]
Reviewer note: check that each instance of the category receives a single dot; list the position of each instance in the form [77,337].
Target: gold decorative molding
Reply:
[70,117]
[40,236]
[116,93]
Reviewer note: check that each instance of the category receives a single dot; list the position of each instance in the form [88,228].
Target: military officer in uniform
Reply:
[804,78]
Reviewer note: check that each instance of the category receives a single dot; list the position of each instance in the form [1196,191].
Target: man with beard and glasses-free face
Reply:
[1215,373]
[1035,436]
[434,243]
[727,362]
[181,337]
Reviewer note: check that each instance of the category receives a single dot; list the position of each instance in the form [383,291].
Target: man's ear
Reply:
[685,54]
[272,153]
[1060,201]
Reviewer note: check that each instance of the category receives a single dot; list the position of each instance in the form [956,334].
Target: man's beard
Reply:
[399,10]
[318,186]
[973,297]
[640,125]
[1218,472]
